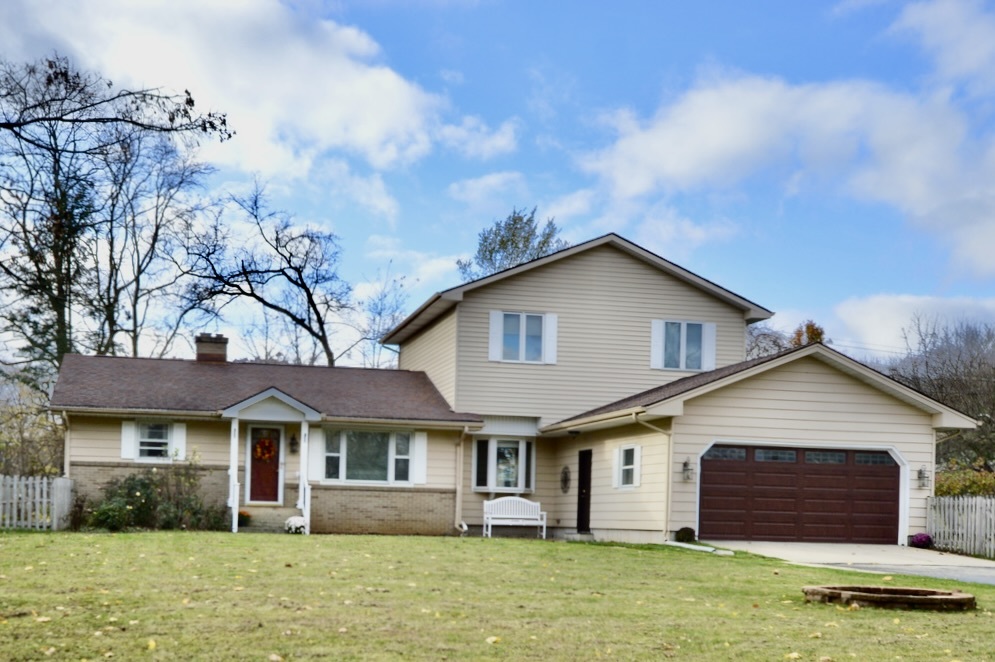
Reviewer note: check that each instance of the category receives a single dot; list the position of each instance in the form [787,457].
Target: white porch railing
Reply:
[35,502]
[964,524]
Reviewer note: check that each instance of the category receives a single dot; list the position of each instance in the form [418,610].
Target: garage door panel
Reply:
[799,495]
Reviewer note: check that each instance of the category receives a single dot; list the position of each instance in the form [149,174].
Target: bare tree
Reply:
[764,340]
[31,440]
[955,364]
[286,269]
[381,311]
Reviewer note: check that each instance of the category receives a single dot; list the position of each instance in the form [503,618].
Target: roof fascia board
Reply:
[309,413]
[367,423]
[118,413]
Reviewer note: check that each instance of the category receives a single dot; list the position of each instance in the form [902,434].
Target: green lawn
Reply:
[268,597]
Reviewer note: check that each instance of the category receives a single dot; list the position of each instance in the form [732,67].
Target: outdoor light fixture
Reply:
[294,444]
[688,471]
[923,475]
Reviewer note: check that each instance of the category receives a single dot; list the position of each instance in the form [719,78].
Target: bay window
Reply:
[365,456]
[503,465]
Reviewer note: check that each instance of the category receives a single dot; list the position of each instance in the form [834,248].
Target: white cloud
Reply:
[474,138]
[425,272]
[665,231]
[489,189]
[876,322]
[919,154]
[370,192]
[959,35]
[295,85]
[562,209]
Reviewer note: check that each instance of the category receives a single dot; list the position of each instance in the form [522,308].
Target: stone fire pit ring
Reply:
[891,597]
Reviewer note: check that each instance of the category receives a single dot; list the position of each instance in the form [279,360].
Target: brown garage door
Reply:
[799,495]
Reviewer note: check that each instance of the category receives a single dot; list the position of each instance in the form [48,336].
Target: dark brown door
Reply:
[584,491]
[264,460]
[799,495]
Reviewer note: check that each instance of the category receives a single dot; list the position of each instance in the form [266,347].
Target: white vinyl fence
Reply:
[35,502]
[964,524]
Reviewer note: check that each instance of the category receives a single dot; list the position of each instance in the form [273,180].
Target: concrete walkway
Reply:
[887,559]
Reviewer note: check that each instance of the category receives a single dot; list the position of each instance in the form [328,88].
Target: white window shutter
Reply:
[656,344]
[708,346]
[178,439]
[495,337]
[616,466]
[549,338]
[129,440]
[316,454]
[419,458]
[638,468]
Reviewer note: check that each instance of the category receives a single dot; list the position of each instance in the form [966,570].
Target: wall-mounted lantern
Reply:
[923,475]
[688,470]
[294,444]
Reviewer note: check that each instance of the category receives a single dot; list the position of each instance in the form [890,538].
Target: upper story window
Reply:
[682,345]
[522,337]
[383,457]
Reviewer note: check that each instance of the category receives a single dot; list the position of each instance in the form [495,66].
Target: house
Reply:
[604,381]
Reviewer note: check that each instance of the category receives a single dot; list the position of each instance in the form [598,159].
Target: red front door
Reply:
[264,463]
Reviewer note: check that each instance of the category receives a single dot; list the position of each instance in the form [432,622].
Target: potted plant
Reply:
[244,518]
[921,540]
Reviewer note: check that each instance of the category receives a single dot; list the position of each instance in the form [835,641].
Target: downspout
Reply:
[304,484]
[668,474]
[458,514]
[65,445]
[233,475]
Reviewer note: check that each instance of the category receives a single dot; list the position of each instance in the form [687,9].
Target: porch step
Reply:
[267,519]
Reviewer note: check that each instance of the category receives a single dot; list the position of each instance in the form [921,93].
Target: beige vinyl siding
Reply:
[210,441]
[94,439]
[804,403]
[441,459]
[605,301]
[433,351]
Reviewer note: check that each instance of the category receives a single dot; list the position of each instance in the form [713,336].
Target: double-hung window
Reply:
[364,456]
[627,466]
[503,465]
[522,337]
[682,345]
[153,441]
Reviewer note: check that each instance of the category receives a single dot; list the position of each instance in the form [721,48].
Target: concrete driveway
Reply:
[886,559]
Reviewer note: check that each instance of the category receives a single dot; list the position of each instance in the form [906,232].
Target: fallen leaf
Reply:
[793,656]
[493,640]
[151,645]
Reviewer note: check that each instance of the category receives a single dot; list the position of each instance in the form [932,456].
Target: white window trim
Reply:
[523,478]
[176,448]
[416,457]
[496,337]
[619,467]
[658,348]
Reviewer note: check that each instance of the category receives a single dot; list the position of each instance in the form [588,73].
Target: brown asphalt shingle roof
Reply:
[123,383]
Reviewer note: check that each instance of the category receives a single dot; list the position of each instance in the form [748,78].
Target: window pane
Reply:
[533,337]
[874,458]
[672,345]
[332,466]
[507,464]
[157,431]
[367,454]
[628,457]
[401,469]
[482,452]
[402,442]
[333,442]
[692,336]
[720,453]
[770,455]
[627,476]
[512,331]
[825,457]
[153,449]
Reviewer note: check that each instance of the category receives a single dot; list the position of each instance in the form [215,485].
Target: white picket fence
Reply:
[35,502]
[964,524]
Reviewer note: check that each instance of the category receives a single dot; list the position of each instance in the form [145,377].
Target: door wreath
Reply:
[264,450]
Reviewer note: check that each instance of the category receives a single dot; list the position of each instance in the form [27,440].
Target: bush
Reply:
[157,498]
[965,482]
[685,535]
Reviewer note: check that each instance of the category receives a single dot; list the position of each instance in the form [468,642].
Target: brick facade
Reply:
[91,477]
[413,511]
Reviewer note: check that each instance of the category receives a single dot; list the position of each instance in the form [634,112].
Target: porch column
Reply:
[233,496]
[304,489]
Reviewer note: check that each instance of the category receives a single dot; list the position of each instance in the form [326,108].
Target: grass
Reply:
[217,596]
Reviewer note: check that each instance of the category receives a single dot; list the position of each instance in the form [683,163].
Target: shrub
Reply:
[157,498]
[685,535]
[965,482]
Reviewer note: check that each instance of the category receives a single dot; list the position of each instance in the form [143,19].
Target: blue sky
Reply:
[828,160]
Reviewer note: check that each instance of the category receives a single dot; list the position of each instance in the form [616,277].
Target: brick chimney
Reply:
[212,348]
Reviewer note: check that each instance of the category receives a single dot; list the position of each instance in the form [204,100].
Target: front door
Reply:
[264,461]
[584,491]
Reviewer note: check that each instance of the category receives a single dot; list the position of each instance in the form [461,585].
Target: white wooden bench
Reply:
[513,511]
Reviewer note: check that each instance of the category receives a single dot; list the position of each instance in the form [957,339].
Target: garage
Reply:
[798,495]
